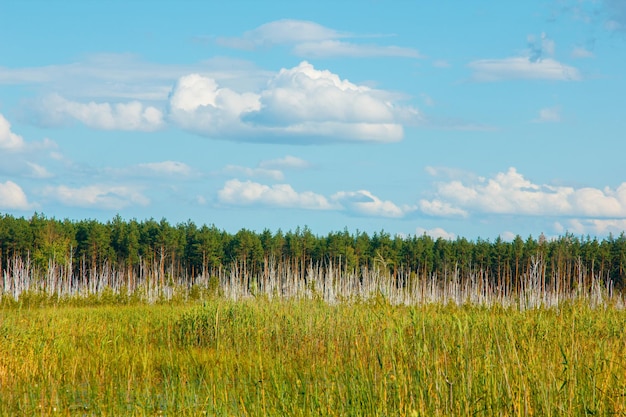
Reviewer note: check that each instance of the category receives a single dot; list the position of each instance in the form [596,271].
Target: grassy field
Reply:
[299,358]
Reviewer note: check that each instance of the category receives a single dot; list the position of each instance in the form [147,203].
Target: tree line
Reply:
[190,250]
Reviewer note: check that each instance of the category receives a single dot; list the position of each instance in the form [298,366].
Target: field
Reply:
[301,357]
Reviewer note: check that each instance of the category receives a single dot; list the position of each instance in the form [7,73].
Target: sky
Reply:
[455,119]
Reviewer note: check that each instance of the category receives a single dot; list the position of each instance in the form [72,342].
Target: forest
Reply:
[187,250]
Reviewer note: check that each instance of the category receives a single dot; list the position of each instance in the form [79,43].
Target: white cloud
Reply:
[198,104]
[312,40]
[106,197]
[163,171]
[594,202]
[126,77]
[133,115]
[440,208]
[274,174]
[229,100]
[196,91]
[365,203]
[435,233]
[510,193]
[549,115]
[8,140]
[537,63]
[448,172]
[362,203]
[285,31]
[593,226]
[167,168]
[558,227]
[100,75]
[335,48]
[271,169]
[288,162]
[247,193]
[57,156]
[305,94]
[298,105]
[522,68]
[508,236]
[38,171]
[581,52]
[12,197]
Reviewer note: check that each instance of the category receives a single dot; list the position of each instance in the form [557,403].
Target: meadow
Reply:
[112,356]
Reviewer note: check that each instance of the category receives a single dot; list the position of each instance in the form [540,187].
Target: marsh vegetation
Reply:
[306,357]
[194,321]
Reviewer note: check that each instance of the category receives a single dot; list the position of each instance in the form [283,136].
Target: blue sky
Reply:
[472,119]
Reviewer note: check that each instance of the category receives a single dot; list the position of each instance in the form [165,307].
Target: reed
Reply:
[305,357]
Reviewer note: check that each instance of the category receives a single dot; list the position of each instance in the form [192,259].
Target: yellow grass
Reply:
[301,358]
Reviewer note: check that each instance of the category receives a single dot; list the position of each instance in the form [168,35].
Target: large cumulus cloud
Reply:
[298,105]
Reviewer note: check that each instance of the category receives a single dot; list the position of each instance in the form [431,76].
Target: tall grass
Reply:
[303,357]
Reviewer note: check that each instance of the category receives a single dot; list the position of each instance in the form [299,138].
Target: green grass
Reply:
[302,358]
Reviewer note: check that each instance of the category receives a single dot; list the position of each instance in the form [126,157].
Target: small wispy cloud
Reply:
[38,171]
[548,115]
[116,78]
[522,68]
[163,171]
[365,203]
[248,193]
[537,63]
[287,162]
[334,48]
[439,208]
[271,168]
[99,196]
[238,170]
[581,52]
[132,116]
[279,32]
[312,40]
[435,233]
[167,168]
